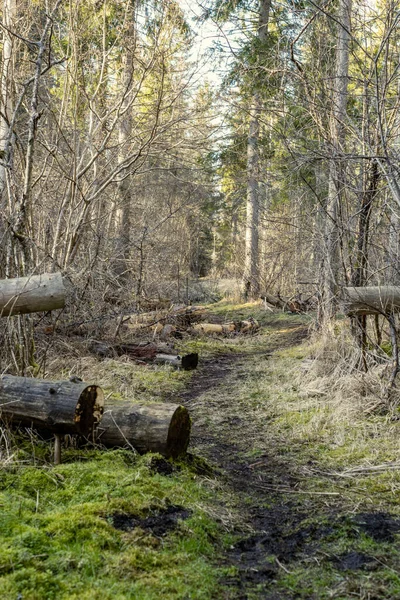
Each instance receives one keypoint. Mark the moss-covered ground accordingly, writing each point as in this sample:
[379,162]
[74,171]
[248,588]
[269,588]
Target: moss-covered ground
[286,493]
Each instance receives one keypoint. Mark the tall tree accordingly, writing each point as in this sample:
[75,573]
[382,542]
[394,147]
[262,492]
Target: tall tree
[336,184]
[251,276]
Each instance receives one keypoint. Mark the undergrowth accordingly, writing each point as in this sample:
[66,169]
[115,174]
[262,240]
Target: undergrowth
[58,539]
[294,417]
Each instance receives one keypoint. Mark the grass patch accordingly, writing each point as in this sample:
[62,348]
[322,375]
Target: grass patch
[58,540]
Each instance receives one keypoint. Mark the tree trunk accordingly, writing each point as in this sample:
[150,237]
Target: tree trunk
[37,293]
[336,165]
[163,428]
[123,207]
[251,276]
[371,300]
[6,108]
[393,275]
[59,406]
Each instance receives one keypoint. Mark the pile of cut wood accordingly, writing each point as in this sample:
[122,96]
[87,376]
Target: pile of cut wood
[77,408]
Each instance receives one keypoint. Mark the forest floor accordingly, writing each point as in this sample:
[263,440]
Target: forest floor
[285,493]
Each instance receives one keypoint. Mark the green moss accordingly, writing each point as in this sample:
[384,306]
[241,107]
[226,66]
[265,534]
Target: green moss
[58,542]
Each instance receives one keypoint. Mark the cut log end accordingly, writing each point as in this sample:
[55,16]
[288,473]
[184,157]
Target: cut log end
[59,406]
[179,433]
[190,361]
[89,409]
[163,428]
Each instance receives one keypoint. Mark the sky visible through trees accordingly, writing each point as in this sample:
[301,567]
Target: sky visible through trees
[147,143]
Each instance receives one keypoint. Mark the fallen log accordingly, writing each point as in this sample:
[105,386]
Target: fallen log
[37,293]
[163,428]
[140,351]
[58,406]
[294,304]
[273,300]
[187,362]
[177,316]
[248,326]
[145,353]
[358,301]
[210,328]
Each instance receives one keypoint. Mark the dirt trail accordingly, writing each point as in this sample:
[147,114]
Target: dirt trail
[283,527]
[263,530]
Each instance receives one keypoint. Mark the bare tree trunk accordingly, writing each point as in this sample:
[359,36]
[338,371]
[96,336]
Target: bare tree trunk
[394,248]
[336,167]
[123,208]
[6,107]
[251,276]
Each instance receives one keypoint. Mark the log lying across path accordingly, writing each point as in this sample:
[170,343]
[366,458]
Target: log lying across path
[145,353]
[59,406]
[359,301]
[37,293]
[163,428]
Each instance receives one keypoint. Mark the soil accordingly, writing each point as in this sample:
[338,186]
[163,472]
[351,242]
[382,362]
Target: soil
[275,528]
[162,466]
[159,522]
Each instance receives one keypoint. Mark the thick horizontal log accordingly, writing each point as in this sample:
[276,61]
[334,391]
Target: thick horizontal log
[37,293]
[106,350]
[359,301]
[58,406]
[163,428]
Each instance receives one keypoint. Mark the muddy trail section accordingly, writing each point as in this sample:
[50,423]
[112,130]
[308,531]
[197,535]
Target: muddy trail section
[278,527]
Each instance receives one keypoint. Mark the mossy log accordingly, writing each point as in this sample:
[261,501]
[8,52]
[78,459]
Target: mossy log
[359,301]
[37,293]
[163,428]
[58,406]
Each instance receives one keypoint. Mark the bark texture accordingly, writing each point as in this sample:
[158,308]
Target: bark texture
[58,406]
[336,165]
[359,301]
[36,293]
[251,276]
[163,428]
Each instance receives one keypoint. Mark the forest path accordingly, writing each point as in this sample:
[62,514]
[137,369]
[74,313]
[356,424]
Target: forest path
[298,529]
[233,438]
